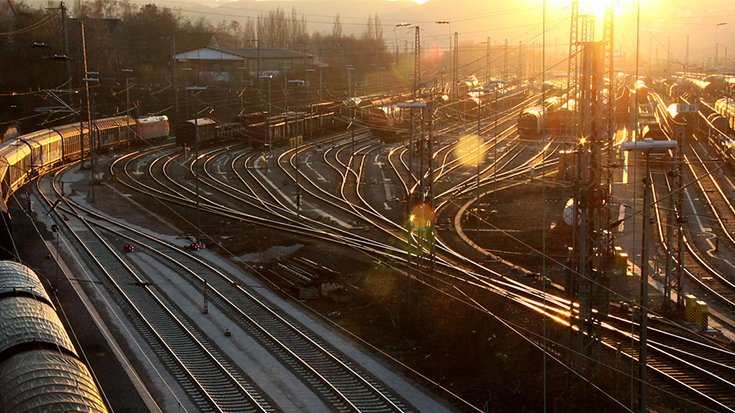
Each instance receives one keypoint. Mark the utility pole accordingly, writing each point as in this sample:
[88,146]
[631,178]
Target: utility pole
[352,109]
[297,138]
[194,90]
[487,62]
[65,38]
[173,76]
[409,203]
[573,68]
[646,147]
[520,59]
[86,88]
[588,282]
[127,90]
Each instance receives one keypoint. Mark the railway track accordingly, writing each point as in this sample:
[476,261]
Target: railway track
[208,376]
[336,379]
[705,371]
[709,276]
[351,168]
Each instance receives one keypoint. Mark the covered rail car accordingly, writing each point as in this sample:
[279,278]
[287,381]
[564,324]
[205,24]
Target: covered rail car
[190,132]
[40,369]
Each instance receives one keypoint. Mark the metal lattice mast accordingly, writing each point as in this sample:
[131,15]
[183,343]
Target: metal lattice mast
[520,59]
[417,62]
[608,73]
[572,72]
[588,279]
[674,232]
[587,32]
[608,110]
[505,62]
[455,66]
[487,63]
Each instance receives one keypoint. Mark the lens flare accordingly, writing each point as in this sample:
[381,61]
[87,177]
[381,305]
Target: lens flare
[467,150]
[422,216]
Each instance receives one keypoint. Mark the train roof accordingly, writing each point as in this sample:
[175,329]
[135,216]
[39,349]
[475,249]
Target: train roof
[39,134]
[15,277]
[198,122]
[70,130]
[47,381]
[118,121]
[40,137]
[14,150]
[25,320]
[151,119]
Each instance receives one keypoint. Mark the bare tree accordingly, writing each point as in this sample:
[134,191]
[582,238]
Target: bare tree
[337,28]
[273,28]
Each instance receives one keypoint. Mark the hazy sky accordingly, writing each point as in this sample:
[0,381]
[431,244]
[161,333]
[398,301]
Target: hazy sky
[662,22]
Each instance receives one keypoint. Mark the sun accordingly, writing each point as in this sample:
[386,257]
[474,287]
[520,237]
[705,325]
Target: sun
[594,7]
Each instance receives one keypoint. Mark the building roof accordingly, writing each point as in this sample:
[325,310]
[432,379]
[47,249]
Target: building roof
[239,53]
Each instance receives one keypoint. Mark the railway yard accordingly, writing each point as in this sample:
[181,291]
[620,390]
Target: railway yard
[210,286]
[520,244]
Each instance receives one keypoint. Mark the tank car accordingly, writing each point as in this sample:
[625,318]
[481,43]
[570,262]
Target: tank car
[531,121]
[641,92]
[718,122]
[726,108]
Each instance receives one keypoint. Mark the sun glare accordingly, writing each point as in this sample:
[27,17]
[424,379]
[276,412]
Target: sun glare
[466,150]
[594,7]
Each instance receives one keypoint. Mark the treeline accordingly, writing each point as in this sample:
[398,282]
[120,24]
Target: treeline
[122,35]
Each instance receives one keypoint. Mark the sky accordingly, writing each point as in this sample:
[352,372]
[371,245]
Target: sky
[664,24]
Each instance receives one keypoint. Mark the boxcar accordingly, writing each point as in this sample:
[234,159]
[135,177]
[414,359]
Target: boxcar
[15,164]
[46,149]
[71,136]
[152,128]
[186,132]
[111,132]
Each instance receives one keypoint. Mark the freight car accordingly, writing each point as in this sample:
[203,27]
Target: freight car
[726,108]
[152,128]
[551,117]
[201,131]
[26,156]
[641,92]
[40,370]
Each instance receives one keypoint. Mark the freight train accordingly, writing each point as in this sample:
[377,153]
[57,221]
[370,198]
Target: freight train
[554,116]
[26,156]
[40,368]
